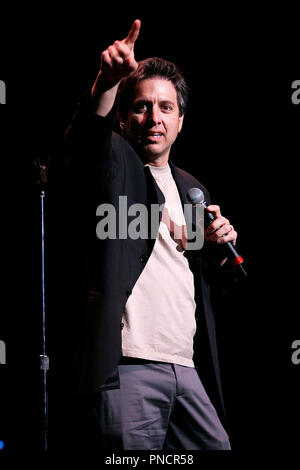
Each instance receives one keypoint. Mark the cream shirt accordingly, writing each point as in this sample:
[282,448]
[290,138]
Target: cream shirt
[159,318]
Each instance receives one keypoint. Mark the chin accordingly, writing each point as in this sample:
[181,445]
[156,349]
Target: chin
[152,152]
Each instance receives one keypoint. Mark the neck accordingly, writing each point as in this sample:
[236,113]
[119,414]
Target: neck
[161,160]
[158,164]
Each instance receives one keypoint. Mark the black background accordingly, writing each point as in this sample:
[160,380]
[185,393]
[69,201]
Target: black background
[240,139]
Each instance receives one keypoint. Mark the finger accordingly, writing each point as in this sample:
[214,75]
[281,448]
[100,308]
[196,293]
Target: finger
[114,55]
[122,49]
[220,232]
[105,58]
[224,233]
[214,209]
[230,237]
[216,224]
[133,34]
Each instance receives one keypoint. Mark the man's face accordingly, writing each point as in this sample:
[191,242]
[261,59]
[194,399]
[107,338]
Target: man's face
[153,121]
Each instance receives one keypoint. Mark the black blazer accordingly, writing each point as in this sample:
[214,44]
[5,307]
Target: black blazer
[100,165]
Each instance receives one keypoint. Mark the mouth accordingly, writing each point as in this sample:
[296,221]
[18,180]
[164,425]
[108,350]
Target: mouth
[154,136]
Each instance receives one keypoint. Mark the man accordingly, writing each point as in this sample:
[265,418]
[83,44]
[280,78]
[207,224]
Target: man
[136,353]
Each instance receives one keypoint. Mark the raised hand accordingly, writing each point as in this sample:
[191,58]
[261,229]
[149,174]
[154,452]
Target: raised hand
[118,60]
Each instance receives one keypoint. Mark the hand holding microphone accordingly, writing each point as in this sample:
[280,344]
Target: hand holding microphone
[218,228]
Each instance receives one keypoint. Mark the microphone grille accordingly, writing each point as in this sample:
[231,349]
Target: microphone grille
[195,196]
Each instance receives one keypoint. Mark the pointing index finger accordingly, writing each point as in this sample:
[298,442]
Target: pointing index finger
[133,33]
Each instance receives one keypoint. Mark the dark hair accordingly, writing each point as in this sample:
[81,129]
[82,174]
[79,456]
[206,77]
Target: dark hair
[149,68]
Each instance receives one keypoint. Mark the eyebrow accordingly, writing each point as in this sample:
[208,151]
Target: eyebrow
[145,100]
[167,102]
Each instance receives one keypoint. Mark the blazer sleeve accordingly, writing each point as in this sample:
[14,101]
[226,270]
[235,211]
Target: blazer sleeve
[88,155]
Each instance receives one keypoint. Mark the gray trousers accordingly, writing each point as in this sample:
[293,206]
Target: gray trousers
[158,406]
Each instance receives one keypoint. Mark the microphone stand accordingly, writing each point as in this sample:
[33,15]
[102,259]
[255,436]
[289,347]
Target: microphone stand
[44,359]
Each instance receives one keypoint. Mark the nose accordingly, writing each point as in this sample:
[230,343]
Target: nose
[154,115]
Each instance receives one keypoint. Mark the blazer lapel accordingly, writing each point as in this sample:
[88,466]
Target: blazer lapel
[155,197]
[183,187]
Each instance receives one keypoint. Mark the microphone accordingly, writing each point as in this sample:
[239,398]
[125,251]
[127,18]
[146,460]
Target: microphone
[196,197]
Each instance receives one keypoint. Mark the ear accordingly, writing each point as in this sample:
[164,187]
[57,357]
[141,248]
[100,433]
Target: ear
[122,123]
[180,123]
[122,126]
